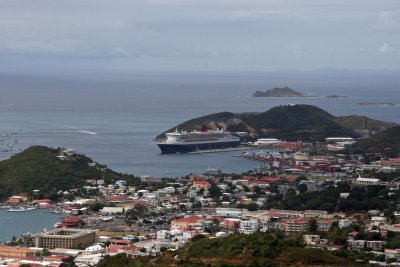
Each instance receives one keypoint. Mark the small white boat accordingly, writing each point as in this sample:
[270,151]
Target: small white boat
[20,209]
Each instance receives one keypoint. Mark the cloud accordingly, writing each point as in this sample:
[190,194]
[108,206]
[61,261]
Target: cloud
[388,20]
[385,48]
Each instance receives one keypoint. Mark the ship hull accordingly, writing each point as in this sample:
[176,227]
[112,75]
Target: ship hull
[187,148]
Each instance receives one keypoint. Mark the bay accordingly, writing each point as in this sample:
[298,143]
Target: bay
[17,223]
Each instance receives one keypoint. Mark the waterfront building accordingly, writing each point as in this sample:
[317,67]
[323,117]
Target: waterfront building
[16,200]
[65,238]
[15,252]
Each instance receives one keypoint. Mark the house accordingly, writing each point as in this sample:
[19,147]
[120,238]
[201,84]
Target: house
[186,222]
[356,244]
[392,254]
[345,223]
[376,245]
[311,240]
[378,220]
[324,225]
[200,185]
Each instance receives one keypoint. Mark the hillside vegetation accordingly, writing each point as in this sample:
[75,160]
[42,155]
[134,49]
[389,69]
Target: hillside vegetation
[39,168]
[386,142]
[259,249]
[357,123]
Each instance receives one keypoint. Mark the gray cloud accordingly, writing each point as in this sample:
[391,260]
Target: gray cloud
[192,34]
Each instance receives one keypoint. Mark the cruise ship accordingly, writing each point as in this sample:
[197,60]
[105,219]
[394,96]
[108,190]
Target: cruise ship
[196,141]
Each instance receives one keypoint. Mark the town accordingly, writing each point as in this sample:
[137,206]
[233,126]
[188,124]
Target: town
[342,204]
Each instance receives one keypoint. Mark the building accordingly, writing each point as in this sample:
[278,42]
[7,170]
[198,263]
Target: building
[376,245]
[16,200]
[297,225]
[15,252]
[367,181]
[228,212]
[345,223]
[392,254]
[163,234]
[65,238]
[186,222]
[312,240]
[356,244]
[248,227]
[324,225]
[232,223]
[200,185]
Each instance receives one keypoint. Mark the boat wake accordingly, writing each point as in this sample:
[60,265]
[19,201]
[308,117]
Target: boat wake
[87,132]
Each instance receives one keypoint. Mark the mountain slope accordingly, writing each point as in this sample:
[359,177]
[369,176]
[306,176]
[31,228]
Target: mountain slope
[289,122]
[386,142]
[360,122]
[39,168]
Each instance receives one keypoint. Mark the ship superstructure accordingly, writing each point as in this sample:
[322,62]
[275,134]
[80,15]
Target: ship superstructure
[185,142]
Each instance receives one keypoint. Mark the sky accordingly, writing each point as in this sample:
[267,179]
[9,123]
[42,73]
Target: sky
[198,35]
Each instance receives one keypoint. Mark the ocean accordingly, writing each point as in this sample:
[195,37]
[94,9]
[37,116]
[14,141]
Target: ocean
[15,223]
[113,118]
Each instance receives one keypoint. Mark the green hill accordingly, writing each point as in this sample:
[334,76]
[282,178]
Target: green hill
[38,167]
[288,122]
[386,142]
[235,250]
[362,122]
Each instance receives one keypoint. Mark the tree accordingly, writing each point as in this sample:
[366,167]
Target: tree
[214,191]
[68,262]
[312,225]
[302,188]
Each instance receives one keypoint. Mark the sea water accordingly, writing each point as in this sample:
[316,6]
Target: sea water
[114,118]
[17,223]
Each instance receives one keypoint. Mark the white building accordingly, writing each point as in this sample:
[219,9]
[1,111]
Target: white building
[163,234]
[344,223]
[248,227]
[367,181]
[228,212]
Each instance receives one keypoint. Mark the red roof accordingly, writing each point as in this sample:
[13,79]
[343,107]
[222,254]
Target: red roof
[119,241]
[190,219]
[325,221]
[115,248]
[259,182]
[45,200]
[271,179]
[203,183]
[115,198]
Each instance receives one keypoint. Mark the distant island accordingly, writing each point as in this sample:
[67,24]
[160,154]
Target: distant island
[385,104]
[278,92]
[337,96]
